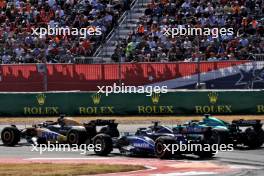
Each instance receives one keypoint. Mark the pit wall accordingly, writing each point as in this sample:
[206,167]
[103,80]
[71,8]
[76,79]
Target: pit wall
[171,103]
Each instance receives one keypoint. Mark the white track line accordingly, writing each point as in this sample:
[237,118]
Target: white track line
[186,173]
[99,158]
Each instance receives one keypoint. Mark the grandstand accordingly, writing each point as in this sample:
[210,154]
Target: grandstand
[132,31]
[18,17]
[147,43]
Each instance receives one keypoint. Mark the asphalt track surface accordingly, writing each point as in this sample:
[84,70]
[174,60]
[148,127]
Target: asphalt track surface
[240,162]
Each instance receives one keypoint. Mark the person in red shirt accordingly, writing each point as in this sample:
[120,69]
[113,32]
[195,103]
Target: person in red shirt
[2,4]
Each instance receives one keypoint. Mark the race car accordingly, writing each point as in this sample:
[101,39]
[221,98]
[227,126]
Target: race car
[239,132]
[64,130]
[152,141]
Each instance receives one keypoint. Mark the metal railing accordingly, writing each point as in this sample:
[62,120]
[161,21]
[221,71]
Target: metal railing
[109,36]
[88,60]
[256,57]
[115,31]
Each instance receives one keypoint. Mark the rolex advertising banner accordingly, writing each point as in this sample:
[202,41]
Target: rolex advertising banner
[171,103]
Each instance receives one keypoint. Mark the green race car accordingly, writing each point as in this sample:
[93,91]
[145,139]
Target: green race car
[239,132]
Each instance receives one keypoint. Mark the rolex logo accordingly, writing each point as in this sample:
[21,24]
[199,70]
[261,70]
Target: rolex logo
[213,96]
[41,99]
[155,98]
[96,98]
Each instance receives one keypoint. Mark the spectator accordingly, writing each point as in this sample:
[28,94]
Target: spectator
[241,15]
[6,58]
[17,18]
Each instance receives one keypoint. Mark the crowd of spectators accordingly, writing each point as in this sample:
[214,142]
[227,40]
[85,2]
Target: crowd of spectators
[148,43]
[18,17]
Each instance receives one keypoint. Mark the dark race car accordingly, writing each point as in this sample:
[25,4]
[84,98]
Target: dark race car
[64,130]
[239,132]
[152,141]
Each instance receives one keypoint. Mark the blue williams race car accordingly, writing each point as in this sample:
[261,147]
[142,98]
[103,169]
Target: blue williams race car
[156,140]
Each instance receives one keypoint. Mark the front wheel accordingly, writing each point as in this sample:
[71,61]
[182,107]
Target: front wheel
[10,136]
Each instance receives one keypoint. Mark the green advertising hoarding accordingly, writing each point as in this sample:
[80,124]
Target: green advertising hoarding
[171,103]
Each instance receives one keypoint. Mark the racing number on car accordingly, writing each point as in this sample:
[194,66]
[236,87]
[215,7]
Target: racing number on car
[50,136]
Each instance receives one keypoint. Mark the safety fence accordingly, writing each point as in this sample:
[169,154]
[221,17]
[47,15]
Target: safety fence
[171,103]
[86,77]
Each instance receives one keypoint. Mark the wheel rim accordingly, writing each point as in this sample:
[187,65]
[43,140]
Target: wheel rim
[72,138]
[99,141]
[7,136]
[159,148]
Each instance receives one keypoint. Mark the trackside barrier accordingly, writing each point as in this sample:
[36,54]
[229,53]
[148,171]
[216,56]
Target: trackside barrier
[171,103]
[86,77]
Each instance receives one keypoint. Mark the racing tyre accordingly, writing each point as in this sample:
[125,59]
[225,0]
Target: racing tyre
[105,142]
[218,138]
[207,143]
[76,137]
[254,139]
[10,136]
[160,149]
[207,154]
[221,136]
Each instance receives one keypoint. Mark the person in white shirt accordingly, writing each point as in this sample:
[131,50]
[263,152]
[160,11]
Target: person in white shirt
[19,51]
[6,59]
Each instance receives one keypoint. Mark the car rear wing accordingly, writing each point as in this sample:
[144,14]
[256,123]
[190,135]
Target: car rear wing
[246,123]
[188,130]
[100,122]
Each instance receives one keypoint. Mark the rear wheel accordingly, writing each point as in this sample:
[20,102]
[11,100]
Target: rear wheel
[10,136]
[207,146]
[103,144]
[254,139]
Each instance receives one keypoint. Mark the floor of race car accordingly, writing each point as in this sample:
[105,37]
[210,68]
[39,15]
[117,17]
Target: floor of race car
[238,162]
